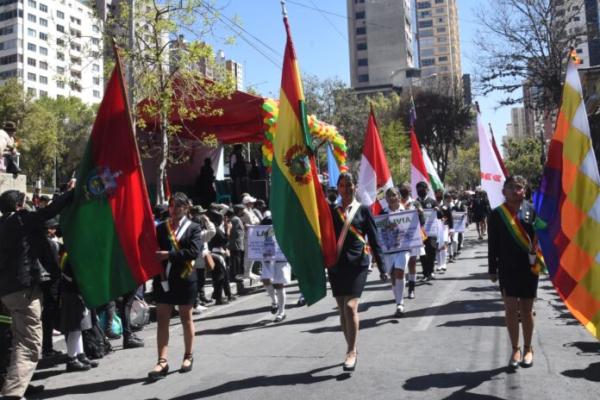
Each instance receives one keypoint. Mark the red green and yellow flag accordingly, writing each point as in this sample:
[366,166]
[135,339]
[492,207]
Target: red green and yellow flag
[301,216]
[108,228]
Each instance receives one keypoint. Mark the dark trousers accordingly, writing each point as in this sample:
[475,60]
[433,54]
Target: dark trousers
[201,282]
[124,305]
[220,278]
[428,260]
[460,241]
[50,314]
[236,260]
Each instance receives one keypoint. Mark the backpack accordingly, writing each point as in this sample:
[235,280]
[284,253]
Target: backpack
[95,343]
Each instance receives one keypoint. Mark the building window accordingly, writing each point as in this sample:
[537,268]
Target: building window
[97,94]
[75,86]
[60,28]
[95,28]
[60,42]
[43,36]
[363,78]
[360,15]
[43,93]
[439,1]
[60,84]
[427,62]
[363,62]
[31,76]
[95,68]
[361,46]
[13,58]
[359,1]
[43,65]
[96,81]
[9,44]
[60,14]
[361,30]
[424,4]
[425,14]
[7,30]
[60,70]
[76,21]
[31,47]
[43,51]
[31,91]
[43,80]
[426,52]
[75,46]
[443,59]
[426,24]
[31,32]
[426,33]
[75,32]
[96,41]
[43,22]
[441,30]
[32,3]
[31,61]
[31,18]
[43,8]
[60,56]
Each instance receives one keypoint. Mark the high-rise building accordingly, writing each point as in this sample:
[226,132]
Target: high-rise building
[53,46]
[381,43]
[232,67]
[438,41]
[520,126]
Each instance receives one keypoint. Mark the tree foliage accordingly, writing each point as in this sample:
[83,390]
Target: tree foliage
[523,158]
[442,121]
[464,168]
[526,42]
[166,74]
[38,142]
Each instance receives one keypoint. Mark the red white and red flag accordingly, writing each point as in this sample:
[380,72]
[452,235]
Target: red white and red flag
[492,175]
[418,170]
[374,176]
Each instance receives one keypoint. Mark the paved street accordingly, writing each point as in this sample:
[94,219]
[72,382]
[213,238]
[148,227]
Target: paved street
[451,344]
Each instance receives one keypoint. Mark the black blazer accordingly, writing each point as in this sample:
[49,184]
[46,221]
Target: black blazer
[190,247]
[353,253]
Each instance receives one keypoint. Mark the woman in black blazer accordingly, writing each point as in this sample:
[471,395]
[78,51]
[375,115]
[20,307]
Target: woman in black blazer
[348,276]
[180,244]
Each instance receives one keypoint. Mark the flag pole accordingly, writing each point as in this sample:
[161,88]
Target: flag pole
[283,10]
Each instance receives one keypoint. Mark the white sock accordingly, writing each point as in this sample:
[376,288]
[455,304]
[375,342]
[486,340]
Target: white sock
[399,291]
[271,293]
[442,256]
[280,300]
[74,344]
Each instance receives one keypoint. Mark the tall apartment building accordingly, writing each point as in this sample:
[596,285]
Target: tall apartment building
[234,68]
[381,43]
[521,126]
[438,40]
[53,46]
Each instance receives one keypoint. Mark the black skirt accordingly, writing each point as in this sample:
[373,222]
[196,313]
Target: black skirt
[181,292]
[348,280]
[518,282]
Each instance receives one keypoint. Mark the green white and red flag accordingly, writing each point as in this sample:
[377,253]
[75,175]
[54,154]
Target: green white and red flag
[108,229]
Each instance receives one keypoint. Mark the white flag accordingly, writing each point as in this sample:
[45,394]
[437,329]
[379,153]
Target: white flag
[492,177]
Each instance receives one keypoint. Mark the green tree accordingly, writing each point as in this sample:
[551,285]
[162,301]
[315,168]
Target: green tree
[167,77]
[463,170]
[38,142]
[523,158]
[13,101]
[74,120]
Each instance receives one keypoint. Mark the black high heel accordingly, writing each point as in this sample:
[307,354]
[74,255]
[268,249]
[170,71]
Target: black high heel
[187,368]
[350,366]
[160,374]
[512,363]
[525,363]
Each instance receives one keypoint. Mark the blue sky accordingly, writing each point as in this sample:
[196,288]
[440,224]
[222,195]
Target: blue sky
[321,41]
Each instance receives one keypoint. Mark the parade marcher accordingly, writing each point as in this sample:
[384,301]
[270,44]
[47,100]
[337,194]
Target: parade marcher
[180,243]
[444,237]
[22,237]
[236,233]
[74,318]
[396,262]
[459,205]
[205,183]
[426,203]
[275,275]
[480,208]
[354,227]
[50,282]
[219,253]
[510,262]
[198,215]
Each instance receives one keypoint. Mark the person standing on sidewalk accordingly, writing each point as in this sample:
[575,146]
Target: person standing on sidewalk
[424,202]
[511,243]
[22,238]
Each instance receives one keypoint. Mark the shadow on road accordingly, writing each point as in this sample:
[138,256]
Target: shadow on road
[468,381]
[459,307]
[591,373]
[96,387]
[484,321]
[302,378]
[585,348]
[477,289]
[475,276]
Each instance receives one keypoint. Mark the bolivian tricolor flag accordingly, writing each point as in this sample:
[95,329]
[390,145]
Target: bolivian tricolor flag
[301,216]
[108,228]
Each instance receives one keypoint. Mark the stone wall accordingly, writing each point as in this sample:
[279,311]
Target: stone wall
[7,182]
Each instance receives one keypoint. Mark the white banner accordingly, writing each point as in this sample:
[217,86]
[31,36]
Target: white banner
[459,219]
[399,231]
[430,215]
[261,244]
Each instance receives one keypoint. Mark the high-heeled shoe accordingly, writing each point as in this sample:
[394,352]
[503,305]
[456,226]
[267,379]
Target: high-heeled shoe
[187,368]
[512,363]
[155,375]
[524,362]
[350,363]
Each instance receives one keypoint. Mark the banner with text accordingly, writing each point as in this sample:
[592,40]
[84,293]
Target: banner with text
[261,244]
[431,228]
[460,221]
[399,231]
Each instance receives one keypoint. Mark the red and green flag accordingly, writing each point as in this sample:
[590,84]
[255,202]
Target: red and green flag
[301,216]
[108,229]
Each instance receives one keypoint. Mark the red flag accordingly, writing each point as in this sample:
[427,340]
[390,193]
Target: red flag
[497,153]
[374,176]
[418,170]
